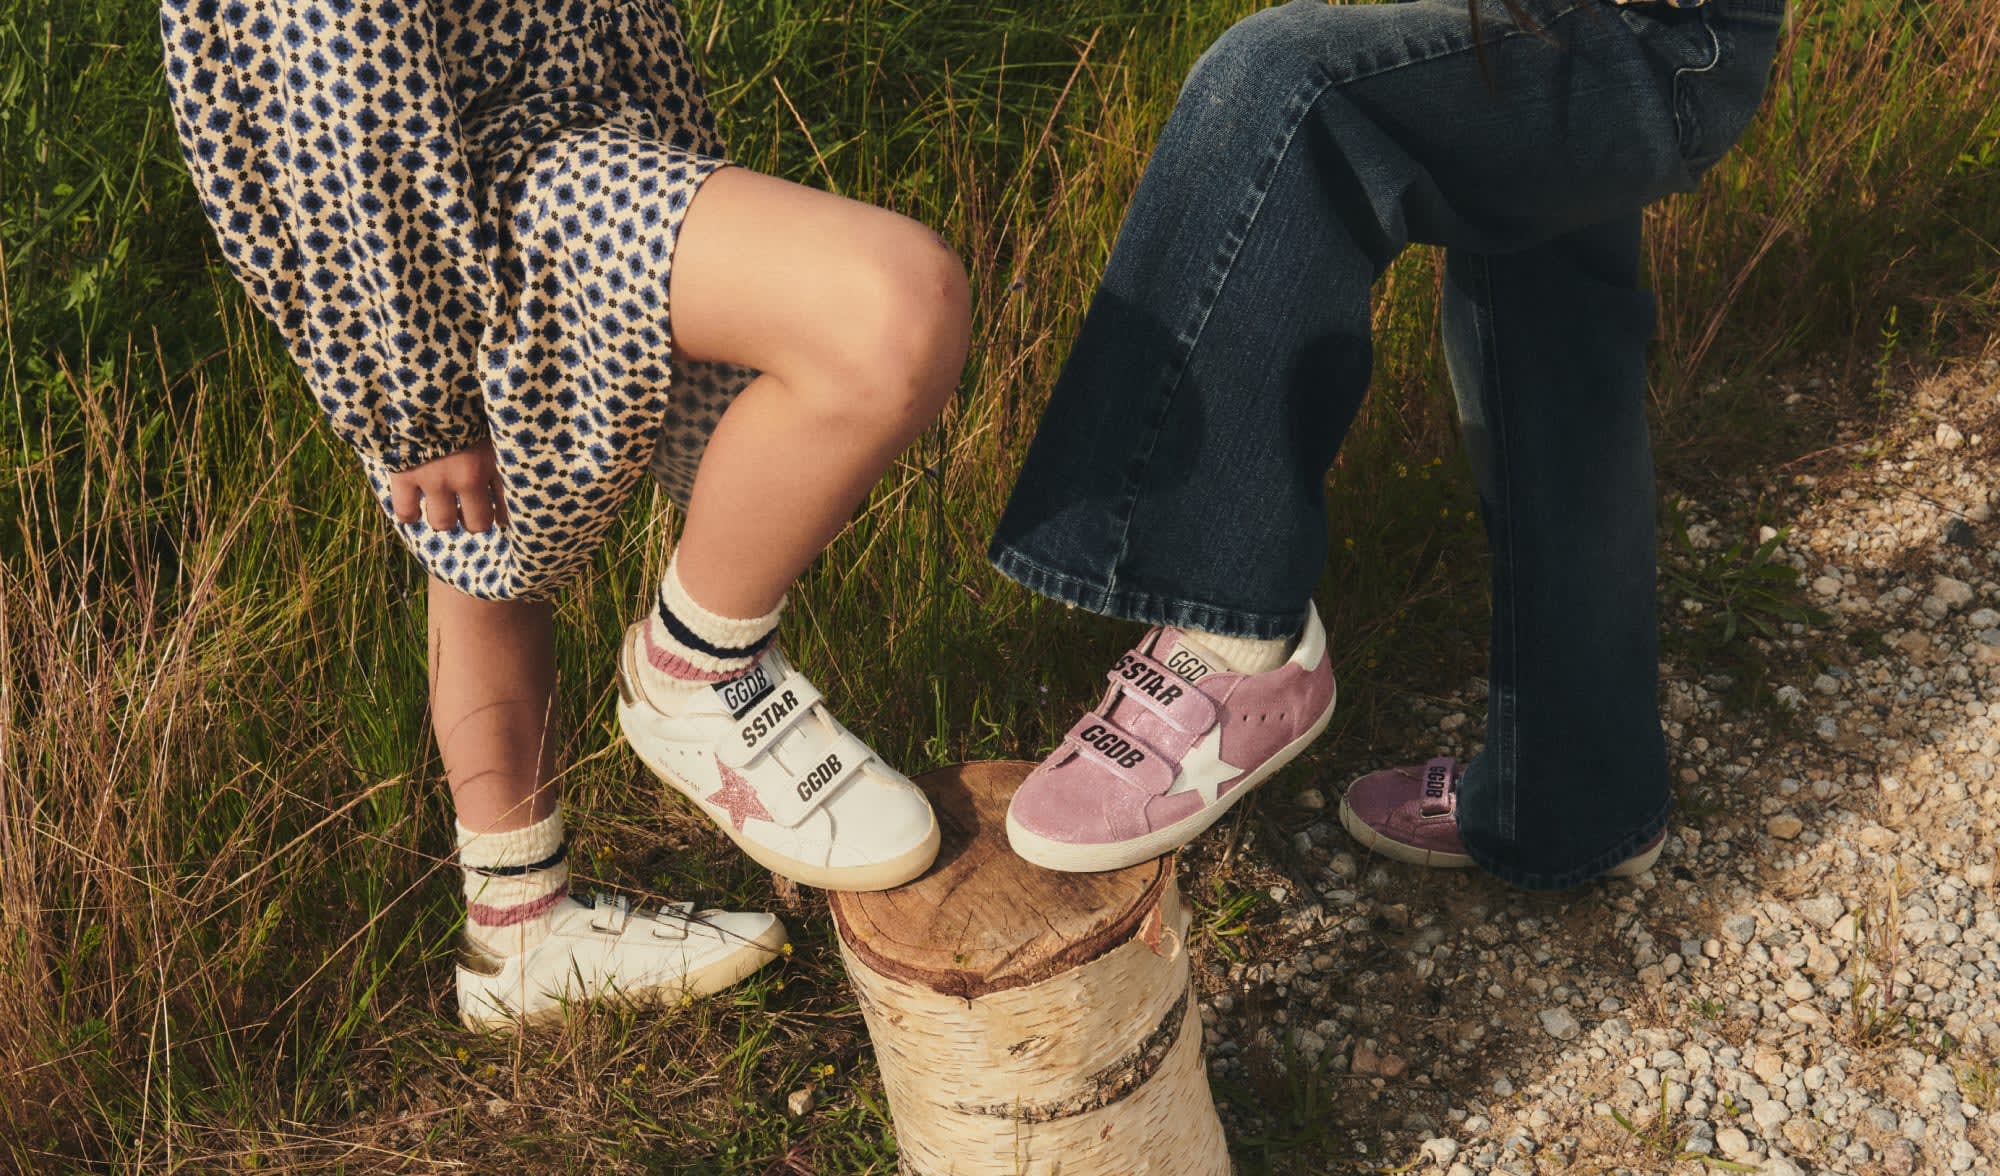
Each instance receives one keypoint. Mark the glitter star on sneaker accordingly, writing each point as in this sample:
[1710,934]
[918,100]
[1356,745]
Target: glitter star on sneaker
[770,765]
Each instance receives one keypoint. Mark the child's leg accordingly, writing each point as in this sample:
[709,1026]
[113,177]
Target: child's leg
[1179,471]
[492,671]
[1573,780]
[1178,474]
[529,945]
[857,321]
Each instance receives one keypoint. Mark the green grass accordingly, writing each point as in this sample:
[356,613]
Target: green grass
[228,916]
[1663,1139]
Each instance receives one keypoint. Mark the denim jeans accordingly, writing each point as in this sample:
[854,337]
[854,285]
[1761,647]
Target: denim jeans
[1179,471]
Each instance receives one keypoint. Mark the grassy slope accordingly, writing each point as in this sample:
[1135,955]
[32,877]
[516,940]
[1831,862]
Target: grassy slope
[227,926]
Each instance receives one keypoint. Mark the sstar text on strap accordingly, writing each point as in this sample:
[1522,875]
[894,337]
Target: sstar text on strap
[1157,687]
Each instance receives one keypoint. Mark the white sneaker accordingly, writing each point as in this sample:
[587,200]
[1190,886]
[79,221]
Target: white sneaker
[794,788]
[602,948]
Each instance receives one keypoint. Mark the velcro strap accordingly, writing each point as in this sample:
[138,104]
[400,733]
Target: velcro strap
[1147,681]
[815,772]
[1440,787]
[763,724]
[1122,753]
[672,921]
[609,913]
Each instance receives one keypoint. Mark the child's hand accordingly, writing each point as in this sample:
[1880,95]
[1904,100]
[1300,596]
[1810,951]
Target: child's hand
[459,487]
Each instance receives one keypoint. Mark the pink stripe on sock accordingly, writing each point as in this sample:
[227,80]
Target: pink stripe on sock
[492,916]
[675,666]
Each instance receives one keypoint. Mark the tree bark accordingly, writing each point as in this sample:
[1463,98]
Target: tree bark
[1027,1022]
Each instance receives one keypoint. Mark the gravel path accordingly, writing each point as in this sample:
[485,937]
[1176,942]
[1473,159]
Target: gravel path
[1810,979]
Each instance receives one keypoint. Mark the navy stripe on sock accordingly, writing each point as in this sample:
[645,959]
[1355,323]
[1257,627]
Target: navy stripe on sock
[548,863]
[678,630]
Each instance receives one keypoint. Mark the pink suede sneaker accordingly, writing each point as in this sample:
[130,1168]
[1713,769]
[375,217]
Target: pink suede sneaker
[1411,814]
[1174,744]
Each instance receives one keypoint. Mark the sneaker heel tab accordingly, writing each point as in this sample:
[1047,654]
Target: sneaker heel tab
[623,672]
[478,960]
[1312,640]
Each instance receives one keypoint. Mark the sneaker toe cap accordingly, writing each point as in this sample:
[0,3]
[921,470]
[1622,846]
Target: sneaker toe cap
[1068,803]
[1376,798]
[879,817]
[734,930]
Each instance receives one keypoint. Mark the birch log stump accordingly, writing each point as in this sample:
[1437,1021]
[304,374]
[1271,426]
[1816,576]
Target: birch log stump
[1030,1023]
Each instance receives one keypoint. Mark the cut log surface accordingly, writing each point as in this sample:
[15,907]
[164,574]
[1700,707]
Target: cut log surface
[982,919]
[1028,1022]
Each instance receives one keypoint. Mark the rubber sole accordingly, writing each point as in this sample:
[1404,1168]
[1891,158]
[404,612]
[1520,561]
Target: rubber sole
[707,980]
[1073,858]
[1638,863]
[884,875]
[1381,843]
[1389,847]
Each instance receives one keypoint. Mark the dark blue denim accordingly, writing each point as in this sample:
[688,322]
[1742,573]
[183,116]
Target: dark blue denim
[1178,474]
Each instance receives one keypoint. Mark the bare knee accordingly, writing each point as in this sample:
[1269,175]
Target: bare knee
[899,344]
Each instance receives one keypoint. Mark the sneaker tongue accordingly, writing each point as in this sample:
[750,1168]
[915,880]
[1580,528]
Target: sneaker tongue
[1183,657]
[1440,787]
[741,694]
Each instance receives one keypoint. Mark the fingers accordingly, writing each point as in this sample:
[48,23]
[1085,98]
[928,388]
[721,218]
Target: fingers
[475,508]
[405,498]
[482,506]
[461,489]
[440,509]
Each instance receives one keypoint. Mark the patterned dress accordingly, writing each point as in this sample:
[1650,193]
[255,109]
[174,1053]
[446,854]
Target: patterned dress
[461,215]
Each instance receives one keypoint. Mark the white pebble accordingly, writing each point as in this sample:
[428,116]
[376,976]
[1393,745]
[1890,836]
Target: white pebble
[1955,593]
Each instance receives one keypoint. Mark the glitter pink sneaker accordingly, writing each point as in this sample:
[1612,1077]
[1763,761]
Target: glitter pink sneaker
[1411,814]
[1174,744]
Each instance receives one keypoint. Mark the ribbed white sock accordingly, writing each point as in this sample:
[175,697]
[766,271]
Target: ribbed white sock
[513,881]
[689,645]
[1245,655]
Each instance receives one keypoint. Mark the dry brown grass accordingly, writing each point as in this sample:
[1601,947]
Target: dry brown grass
[227,925]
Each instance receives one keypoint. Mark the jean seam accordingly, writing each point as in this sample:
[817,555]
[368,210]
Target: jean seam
[1505,35]
[1687,116]
[1506,751]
